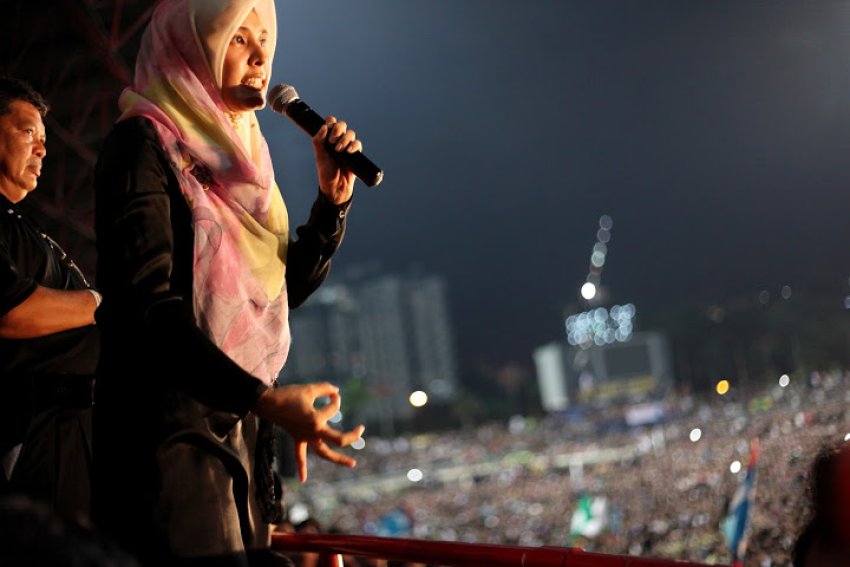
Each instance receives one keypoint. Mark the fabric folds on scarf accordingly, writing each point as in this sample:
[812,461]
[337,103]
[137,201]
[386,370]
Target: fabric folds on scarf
[240,221]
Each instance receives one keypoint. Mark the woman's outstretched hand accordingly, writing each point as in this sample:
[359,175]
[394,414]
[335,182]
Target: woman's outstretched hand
[292,407]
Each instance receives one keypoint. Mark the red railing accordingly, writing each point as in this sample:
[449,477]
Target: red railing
[452,554]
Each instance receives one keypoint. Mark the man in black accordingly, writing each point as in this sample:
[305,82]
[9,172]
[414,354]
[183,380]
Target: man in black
[48,341]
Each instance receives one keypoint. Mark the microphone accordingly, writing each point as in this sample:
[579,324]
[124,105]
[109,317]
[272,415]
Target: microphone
[284,100]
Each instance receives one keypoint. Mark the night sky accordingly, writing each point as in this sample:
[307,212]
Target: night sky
[714,133]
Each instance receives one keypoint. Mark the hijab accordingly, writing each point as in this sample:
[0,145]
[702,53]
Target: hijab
[239,218]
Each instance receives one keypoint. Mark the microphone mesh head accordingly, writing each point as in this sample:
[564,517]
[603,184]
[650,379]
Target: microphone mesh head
[281,95]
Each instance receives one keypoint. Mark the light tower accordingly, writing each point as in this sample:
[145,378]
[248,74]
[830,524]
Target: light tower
[591,290]
[598,325]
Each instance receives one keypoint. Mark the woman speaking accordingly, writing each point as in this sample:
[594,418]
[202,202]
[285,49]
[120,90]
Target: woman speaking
[198,272]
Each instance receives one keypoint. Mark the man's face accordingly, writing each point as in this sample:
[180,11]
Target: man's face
[22,148]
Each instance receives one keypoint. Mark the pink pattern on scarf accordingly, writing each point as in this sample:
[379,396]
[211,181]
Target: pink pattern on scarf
[174,89]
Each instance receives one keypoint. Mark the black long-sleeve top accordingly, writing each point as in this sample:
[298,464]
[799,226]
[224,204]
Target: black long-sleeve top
[145,254]
[29,258]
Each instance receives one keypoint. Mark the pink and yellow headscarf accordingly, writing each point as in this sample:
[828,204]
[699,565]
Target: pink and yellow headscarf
[239,218]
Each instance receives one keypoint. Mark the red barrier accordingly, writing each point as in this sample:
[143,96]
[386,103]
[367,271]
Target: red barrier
[453,554]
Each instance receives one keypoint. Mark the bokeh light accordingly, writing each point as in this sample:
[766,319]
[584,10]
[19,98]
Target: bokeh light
[358,444]
[298,513]
[414,475]
[588,291]
[600,326]
[418,399]
[696,434]
[723,387]
[735,467]
[597,259]
[784,380]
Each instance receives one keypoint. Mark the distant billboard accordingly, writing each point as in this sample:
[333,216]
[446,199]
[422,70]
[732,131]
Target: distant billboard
[635,369]
[628,359]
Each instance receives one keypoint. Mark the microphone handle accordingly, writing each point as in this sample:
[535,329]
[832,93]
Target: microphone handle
[310,121]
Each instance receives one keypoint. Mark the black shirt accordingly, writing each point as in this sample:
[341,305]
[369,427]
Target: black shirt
[28,258]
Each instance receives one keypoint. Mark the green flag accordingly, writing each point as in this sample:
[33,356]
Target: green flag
[590,516]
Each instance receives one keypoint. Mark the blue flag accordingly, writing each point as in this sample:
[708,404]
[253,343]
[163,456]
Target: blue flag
[735,524]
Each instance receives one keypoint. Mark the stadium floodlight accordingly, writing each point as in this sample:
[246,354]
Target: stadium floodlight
[600,326]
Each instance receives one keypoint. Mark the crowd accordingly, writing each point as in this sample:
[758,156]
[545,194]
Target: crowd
[666,493]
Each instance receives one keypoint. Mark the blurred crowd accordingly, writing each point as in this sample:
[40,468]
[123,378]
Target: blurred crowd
[666,486]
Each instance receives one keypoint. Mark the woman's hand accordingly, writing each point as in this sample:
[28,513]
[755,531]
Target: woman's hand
[335,180]
[291,407]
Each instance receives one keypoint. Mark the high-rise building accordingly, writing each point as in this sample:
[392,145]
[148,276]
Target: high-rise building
[392,334]
[387,346]
[325,338]
[434,340]
[551,367]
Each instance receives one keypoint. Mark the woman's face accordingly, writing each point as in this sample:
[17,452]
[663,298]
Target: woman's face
[245,75]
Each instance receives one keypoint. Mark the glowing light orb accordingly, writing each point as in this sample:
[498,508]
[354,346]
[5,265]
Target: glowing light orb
[418,399]
[588,291]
